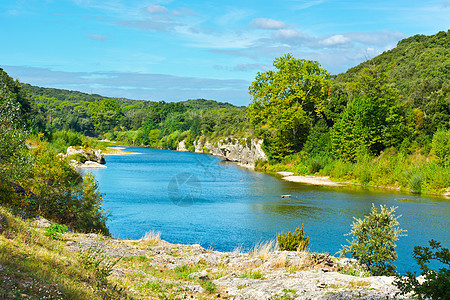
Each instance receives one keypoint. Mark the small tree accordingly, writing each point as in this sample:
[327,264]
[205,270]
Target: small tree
[293,241]
[374,239]
[437,283]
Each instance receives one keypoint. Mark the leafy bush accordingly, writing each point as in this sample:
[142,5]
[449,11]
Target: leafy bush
[374,239]
[316,164]
[441,148]
[55,229]
[293,241]
[437,283]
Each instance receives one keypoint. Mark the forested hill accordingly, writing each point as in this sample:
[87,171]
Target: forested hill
[76,97]
[419,68]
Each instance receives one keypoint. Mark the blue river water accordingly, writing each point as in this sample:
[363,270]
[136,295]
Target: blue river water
[199,199]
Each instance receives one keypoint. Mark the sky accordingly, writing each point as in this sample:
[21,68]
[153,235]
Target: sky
[177,50]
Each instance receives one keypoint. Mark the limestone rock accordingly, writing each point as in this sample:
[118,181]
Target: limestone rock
[41,222]
[87,158]
[243,151]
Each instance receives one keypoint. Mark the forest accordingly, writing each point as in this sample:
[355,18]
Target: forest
[383,123]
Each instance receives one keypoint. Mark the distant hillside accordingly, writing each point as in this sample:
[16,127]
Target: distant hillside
[419,67]
[60,94]
[204,104]
[76,96]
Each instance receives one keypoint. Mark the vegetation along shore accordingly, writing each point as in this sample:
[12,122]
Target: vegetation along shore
[383,123]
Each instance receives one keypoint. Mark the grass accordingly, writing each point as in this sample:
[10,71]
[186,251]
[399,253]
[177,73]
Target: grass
[263,249]
[37,266]
[415,172]
[151,238]
[253,274]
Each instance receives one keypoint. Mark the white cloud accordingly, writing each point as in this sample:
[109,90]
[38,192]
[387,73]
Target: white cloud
[289,34]
[157,9]
[337,39]
[268,23]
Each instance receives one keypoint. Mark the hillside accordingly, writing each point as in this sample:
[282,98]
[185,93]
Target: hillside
[419,67]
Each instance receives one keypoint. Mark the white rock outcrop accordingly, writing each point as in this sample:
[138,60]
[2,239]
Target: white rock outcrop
[90,158]
[243,151]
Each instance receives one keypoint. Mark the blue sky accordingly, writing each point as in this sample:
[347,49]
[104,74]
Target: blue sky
[178,50]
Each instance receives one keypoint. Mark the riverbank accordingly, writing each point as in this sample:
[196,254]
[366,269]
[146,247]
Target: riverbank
[117,150]
[414,173]
[91,266]
[314,180]
[190,271]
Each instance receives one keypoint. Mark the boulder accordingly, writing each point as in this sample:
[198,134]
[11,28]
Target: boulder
[86,158]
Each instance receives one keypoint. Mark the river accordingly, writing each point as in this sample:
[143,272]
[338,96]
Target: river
[199,199]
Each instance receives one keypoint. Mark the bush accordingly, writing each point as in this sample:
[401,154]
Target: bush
[55,229]
[437,283]
[96,259]
[374,239]
[441,148]
[293,241]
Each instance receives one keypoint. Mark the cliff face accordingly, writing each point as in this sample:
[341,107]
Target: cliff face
[243,151]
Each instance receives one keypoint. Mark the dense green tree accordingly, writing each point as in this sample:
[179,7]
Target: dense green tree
[105,114]
[13,151]
[372,120]
[288,101]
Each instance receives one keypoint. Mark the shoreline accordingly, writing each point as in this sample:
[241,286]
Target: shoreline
[117,150]
[264,273]
[310,179]
[287,176]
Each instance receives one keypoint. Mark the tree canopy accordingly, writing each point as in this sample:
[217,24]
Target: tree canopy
[288,101]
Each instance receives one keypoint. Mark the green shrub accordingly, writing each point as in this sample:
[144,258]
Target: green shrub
[95,259]
[441,148]
[55,229]
[293,241]
[316,164]
[374,239]
[301,169]
[415,183]
[208,286]
[437,283]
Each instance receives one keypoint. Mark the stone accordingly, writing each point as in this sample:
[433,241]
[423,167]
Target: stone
[232,149]
[41,222]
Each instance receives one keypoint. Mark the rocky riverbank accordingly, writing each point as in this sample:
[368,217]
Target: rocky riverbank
[85,158]
[154,268]
[243,151]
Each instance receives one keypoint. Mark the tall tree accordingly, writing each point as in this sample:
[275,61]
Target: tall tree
[288,101]
[373,119]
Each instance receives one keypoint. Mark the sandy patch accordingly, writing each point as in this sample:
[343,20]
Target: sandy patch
[314,180]
[117,151]
[285,173]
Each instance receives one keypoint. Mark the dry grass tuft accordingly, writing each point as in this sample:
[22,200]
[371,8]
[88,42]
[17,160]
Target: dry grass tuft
[281,261]
[263,249]
[151,237]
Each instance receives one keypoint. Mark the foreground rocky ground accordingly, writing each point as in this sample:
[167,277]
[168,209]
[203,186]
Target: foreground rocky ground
[154,269]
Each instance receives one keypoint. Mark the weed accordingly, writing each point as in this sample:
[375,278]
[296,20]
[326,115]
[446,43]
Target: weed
[55,229]
[94,258]
[257,274]
[208,286]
